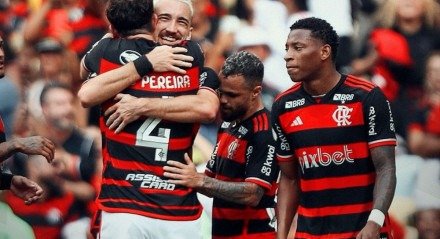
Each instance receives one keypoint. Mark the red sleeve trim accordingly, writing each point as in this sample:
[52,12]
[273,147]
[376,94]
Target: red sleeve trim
[382,142]
[284,158]
[260,182]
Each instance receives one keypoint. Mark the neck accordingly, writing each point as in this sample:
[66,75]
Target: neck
[256,106]
[323,83]
[139,33]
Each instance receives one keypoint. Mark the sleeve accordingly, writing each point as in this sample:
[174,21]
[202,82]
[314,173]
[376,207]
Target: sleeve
[211,166]
[379,118]
[2,131]
[209,79]
[261,167]
[93,56]
[195,50]
[88,155]
[282,146]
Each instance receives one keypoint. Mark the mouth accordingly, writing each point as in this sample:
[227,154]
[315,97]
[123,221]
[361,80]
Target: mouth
[170,40]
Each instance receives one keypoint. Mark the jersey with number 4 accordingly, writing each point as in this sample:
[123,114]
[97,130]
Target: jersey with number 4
[133,180]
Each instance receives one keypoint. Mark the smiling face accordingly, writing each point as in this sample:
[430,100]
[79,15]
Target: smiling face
[173,22]
[304,55]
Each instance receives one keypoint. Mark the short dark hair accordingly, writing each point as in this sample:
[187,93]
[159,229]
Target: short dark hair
[246,64]
[320,29]
[129,15]
[52,85]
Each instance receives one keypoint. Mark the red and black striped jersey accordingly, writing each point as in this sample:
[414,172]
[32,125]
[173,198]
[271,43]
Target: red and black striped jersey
[245,152]
[2,131]
[331,139]
[133,179]
[46,217]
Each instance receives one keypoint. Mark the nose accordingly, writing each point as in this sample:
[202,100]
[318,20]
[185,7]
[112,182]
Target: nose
[172,27]
[223,99]
[287,56]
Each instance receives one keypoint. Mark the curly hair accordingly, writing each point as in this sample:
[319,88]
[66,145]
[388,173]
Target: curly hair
[245,64]
[320,29]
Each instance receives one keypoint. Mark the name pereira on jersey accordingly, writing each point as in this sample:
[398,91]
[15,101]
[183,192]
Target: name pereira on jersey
[150,181]
[166,82]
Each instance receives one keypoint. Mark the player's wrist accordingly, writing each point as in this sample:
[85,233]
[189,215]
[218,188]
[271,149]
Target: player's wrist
[377,217]
[143,65]
[6,180]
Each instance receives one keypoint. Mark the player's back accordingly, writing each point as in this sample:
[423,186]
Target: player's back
[133,159]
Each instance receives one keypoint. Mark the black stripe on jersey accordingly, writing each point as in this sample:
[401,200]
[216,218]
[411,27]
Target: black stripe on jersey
[227,227]
[220,203]
[41,221]
[339,136]
[113,192]
[334,224]
[334,197]
[230,169]
[358,167]
[160,211]
[259,226]
[131,153]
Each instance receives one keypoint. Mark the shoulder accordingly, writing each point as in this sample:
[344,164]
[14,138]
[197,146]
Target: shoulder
[359,83]
[260,122]
[295,89]
[195,50]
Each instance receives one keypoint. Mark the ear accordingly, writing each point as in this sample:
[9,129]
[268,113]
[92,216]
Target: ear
[326,51]
[113,31]
[256,91]
[154,20]
[190,33]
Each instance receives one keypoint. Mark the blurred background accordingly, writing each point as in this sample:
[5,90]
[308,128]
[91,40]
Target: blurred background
[393,43]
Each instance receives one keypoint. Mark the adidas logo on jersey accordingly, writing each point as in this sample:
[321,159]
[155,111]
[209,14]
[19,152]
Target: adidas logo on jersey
[297,121]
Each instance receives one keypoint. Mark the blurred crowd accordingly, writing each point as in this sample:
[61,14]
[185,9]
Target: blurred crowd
[394,43]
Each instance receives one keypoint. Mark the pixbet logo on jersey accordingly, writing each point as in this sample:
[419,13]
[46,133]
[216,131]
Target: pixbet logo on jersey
[150,181]
[318,158]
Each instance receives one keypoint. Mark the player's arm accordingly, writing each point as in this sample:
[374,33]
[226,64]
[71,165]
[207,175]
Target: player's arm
[381,141]
[246,193]
[30,145]
[384,164]
[287,197]
[106,85]
[201,107]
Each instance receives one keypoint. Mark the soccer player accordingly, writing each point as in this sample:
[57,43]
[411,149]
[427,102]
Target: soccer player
[241,174]
[21,186]
[335,144]
[133,189]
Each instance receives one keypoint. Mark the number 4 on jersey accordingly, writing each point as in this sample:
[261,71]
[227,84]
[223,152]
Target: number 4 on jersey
[159,142]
